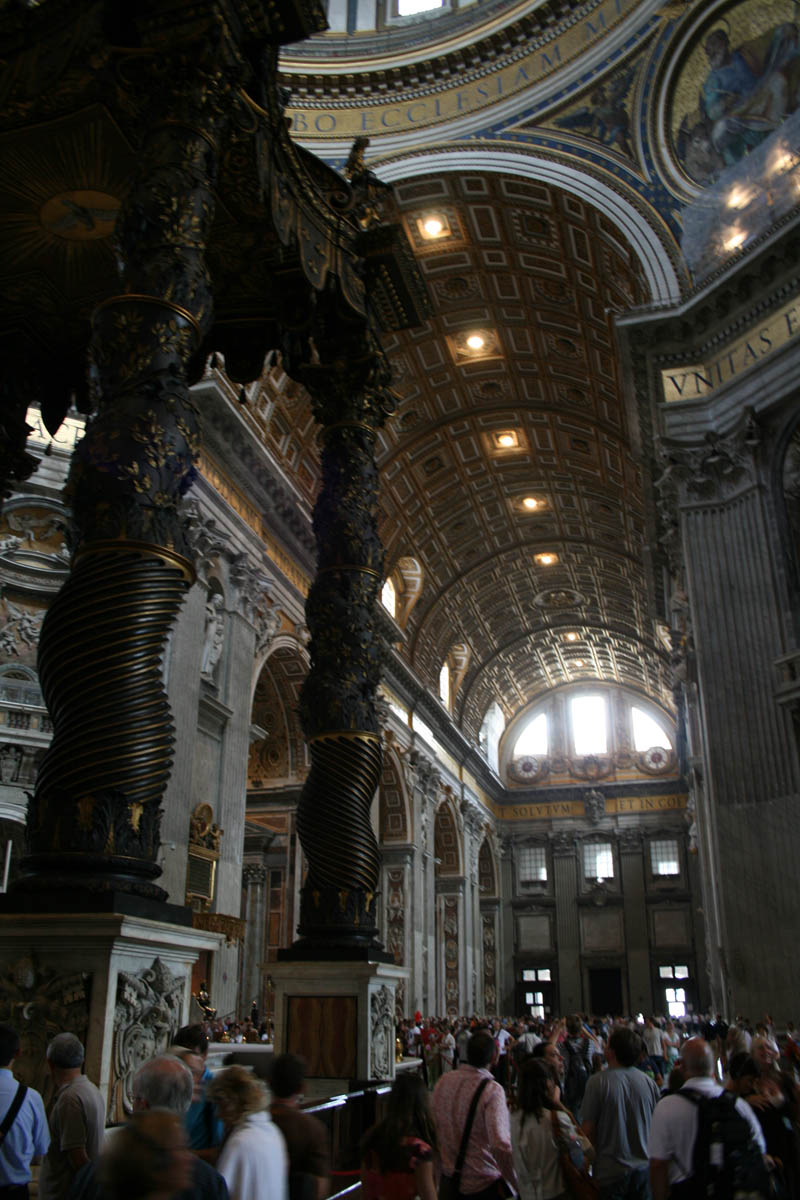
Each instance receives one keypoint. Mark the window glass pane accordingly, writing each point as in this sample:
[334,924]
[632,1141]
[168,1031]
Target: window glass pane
[544,975]
[529,997]
[533,739]
[444,685]
[665,972]
[529,977]
[407,8]
[490,733]
[664,857]
[681,972]
[598,860]
[532,864]
[677,1008]
[680,994]
[670,994]
[389,597]
[647,732]
[589,734]
[538,997]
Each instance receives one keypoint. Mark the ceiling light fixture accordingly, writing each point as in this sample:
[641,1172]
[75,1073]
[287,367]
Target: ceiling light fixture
[782,160]
[433,226]
[571,637]
[739,197]
[475,341]
[578,662]
[734,239]
[546,560]
[506,440]
[530,502]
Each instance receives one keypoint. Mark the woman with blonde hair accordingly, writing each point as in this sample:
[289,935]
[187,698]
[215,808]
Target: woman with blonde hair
[253,1159]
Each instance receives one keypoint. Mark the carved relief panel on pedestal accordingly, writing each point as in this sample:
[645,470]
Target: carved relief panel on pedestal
[146,1018]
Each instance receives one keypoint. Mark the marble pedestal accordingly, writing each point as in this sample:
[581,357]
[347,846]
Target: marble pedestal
[122,983]
[340,1016]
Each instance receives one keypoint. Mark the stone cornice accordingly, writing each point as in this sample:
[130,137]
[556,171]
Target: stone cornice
[236,447]
[402,680]
[426,57]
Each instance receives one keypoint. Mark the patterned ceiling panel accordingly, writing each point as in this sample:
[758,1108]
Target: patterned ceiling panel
[536,412]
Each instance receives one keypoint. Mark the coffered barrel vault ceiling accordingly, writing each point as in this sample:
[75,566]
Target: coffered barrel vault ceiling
[541,247]
[538,274]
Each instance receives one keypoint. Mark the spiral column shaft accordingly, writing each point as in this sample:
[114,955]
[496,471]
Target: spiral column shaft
[96,807]
[94,820]
[337,703]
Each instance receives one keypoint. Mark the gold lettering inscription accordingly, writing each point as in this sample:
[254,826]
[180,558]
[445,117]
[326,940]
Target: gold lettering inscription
[570,808]
[309,123]
[694,382]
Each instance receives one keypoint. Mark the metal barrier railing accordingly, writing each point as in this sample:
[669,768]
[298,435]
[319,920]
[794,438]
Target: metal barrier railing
[347,1117]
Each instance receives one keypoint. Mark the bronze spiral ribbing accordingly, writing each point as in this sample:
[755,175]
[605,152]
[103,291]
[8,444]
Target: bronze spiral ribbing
[101,782]
[333,816]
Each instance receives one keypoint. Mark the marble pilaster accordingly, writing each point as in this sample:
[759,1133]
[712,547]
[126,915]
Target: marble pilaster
[567,927]
[636,933]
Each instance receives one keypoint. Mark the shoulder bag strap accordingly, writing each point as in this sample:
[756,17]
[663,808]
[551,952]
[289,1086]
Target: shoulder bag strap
[558,1132]
[13,1109]
[462,1152]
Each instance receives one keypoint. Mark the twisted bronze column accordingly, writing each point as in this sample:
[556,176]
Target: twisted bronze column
[337,704]
[94,819]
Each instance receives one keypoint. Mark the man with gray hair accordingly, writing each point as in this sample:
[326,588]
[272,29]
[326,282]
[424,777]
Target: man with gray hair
[164,1084]
[76,1116]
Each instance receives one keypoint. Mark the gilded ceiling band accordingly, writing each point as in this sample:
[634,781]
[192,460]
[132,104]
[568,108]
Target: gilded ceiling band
[141,298]
[190,128]
[147,549]
[350,567]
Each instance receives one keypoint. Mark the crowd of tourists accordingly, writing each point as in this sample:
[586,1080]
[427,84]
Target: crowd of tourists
[577,1107]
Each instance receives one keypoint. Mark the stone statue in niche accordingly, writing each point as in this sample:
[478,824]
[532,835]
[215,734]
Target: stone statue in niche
[10,762]
[268,622]
[146,1018]
[214,637]
[382,1028]
[594,805]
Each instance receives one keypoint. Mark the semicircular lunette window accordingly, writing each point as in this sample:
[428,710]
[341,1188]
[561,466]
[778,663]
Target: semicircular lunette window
[590,736]
[647,733]
[533,739]
[589,725]
[409,8]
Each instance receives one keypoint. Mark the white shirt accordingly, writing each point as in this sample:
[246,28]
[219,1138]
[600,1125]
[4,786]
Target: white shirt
[674,1127]
[254,1162]
[502,1039]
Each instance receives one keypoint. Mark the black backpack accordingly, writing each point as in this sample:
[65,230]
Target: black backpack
[577,1071]
[727,1161]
